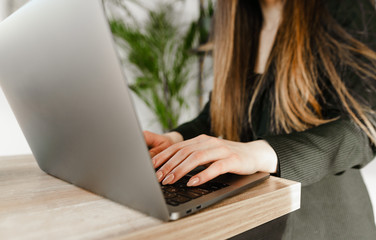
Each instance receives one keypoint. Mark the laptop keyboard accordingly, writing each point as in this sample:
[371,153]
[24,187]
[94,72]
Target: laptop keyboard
[178,193]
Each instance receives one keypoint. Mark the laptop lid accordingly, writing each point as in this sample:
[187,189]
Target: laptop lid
[61,75]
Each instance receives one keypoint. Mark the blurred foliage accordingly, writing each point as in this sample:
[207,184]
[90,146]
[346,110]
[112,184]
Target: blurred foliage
[205,20]
[160,50]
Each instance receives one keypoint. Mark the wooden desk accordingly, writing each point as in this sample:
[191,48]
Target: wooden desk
[34,205]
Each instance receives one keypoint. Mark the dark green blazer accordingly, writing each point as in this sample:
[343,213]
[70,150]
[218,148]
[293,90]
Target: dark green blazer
[326,159]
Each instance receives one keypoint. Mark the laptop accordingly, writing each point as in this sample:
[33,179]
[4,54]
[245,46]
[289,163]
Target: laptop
[60,72]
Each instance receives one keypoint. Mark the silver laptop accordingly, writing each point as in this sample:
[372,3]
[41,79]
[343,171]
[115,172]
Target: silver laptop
[61,75]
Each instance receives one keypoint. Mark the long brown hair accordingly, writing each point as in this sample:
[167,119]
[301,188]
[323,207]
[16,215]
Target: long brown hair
[309,46]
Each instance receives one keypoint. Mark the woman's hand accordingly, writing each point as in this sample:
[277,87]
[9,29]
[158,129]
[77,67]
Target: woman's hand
[223,156]
[157,143]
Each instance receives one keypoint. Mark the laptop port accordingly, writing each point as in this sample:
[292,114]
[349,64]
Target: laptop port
[189,211]
[198,207]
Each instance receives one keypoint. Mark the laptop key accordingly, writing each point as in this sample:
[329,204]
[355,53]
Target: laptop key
[180,199]
[171,189]
[168,195]
[220,185]
[191,194]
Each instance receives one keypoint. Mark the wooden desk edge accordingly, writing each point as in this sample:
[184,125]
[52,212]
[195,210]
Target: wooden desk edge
[236,215]
[267,201]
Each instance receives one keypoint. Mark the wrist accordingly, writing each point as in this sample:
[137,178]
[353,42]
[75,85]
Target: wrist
[267,160]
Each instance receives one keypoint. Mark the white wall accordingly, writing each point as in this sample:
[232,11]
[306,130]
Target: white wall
[12,141]
[3,9]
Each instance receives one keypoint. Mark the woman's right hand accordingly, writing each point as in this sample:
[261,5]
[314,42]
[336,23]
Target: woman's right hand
[157,142]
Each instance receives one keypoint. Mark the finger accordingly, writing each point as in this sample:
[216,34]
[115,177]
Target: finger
[214,170]
[168,153]
[195,159]
[151,139]
[154,151]
[169,165]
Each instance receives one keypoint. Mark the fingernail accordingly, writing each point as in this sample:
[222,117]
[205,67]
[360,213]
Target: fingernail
[159,175]
[153,161]
[168,179]
[193,182]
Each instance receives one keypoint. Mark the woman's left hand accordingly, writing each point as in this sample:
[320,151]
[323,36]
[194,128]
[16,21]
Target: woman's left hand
[223,156]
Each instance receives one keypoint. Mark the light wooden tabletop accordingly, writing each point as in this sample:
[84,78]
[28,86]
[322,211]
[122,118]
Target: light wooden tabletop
[34,205]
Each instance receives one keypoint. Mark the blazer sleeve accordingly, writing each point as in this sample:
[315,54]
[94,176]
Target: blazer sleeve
[199,125]
[331,148]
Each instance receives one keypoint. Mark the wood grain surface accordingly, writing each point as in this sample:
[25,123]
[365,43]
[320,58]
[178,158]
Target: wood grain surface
[34,205]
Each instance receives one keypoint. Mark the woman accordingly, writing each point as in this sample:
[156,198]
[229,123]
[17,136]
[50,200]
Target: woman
[293,96]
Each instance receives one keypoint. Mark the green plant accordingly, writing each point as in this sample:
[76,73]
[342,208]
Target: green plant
[161,52]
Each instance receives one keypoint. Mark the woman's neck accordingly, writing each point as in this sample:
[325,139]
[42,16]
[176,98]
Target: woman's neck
[272,13]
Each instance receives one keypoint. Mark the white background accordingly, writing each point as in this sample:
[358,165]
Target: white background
[12,141]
